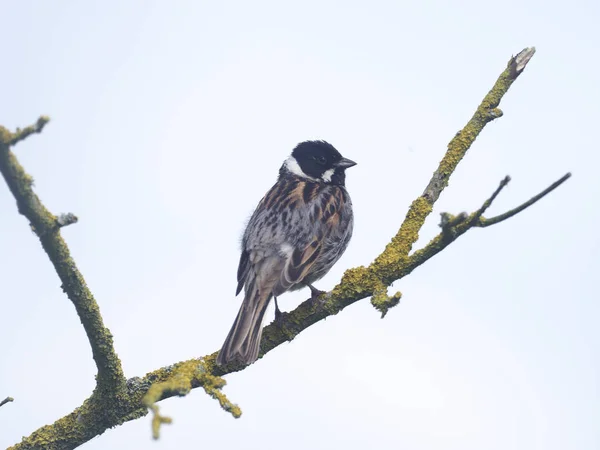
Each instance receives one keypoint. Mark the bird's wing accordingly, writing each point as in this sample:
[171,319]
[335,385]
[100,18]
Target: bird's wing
[264,234]
[243,268]
[296,215]
[324,219]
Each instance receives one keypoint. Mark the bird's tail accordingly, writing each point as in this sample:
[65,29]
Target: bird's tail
[243,341]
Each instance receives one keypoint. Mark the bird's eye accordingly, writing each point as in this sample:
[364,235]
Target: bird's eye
[320,159]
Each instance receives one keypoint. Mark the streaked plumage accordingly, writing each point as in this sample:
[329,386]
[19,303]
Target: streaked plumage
[298,231]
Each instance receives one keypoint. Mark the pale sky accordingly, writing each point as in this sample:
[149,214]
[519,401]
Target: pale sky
[170,121]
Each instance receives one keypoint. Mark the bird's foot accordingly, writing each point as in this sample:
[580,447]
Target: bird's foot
[314,292]
[278,313]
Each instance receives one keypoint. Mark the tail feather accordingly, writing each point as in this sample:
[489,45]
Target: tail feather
[243,341]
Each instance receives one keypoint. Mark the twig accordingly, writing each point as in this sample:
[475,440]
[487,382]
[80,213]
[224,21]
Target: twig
[180,380]
[6,400]
[67,219]
[23,134]
[488,202]
[486,222]
[441,241]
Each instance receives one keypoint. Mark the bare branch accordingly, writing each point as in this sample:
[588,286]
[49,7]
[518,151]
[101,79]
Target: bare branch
[486,222]
[519,62]
[64,220]
[459,228]
[489,201]
[6,400]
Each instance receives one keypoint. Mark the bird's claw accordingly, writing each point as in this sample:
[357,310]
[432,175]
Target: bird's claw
[314,292]
[278,313]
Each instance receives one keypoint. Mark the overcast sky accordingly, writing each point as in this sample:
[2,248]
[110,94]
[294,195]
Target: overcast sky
[170,120]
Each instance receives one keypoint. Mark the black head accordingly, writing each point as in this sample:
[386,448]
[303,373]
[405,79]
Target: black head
[318,161]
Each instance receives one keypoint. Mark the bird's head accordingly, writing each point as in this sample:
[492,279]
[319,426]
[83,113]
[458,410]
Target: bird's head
[317,161]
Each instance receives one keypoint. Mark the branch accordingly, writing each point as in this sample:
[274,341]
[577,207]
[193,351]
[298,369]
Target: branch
[394,263]
[384,269]
[179,381]
[488,202]
[47,227]
[6,400]
[486,112]
[23,134]
[460,226]
[483,222]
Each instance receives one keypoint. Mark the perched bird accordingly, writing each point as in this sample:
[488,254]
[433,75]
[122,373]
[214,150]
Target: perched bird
[298,231]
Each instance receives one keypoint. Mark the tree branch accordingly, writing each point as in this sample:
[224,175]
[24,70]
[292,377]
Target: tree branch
[395,262]
[463,224]
[6,400]
[384,270]
[47,227]
[483,222]
[23,134]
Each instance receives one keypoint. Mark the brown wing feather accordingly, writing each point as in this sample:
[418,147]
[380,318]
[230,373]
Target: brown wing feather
[326,217]
[300,263]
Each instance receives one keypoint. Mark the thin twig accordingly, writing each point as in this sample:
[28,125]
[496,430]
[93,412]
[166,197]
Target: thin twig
[6,400]
[64,220]
[486,222]
[23,134]
[489,201]
[446,237]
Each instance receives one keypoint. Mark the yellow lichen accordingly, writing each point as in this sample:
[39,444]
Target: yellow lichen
[387,265]
[157,421]
[382,302]
[179,381]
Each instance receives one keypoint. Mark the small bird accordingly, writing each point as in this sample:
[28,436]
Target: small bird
[298,231]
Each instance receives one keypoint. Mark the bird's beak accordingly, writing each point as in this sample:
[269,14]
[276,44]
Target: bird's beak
[345,163]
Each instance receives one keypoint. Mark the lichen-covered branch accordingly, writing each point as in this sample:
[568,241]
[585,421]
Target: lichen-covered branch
[396,261]
[179,382]
[47,227]
[386,266]
[20,135]
[485,113]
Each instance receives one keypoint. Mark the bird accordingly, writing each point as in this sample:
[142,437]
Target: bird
[298,231]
